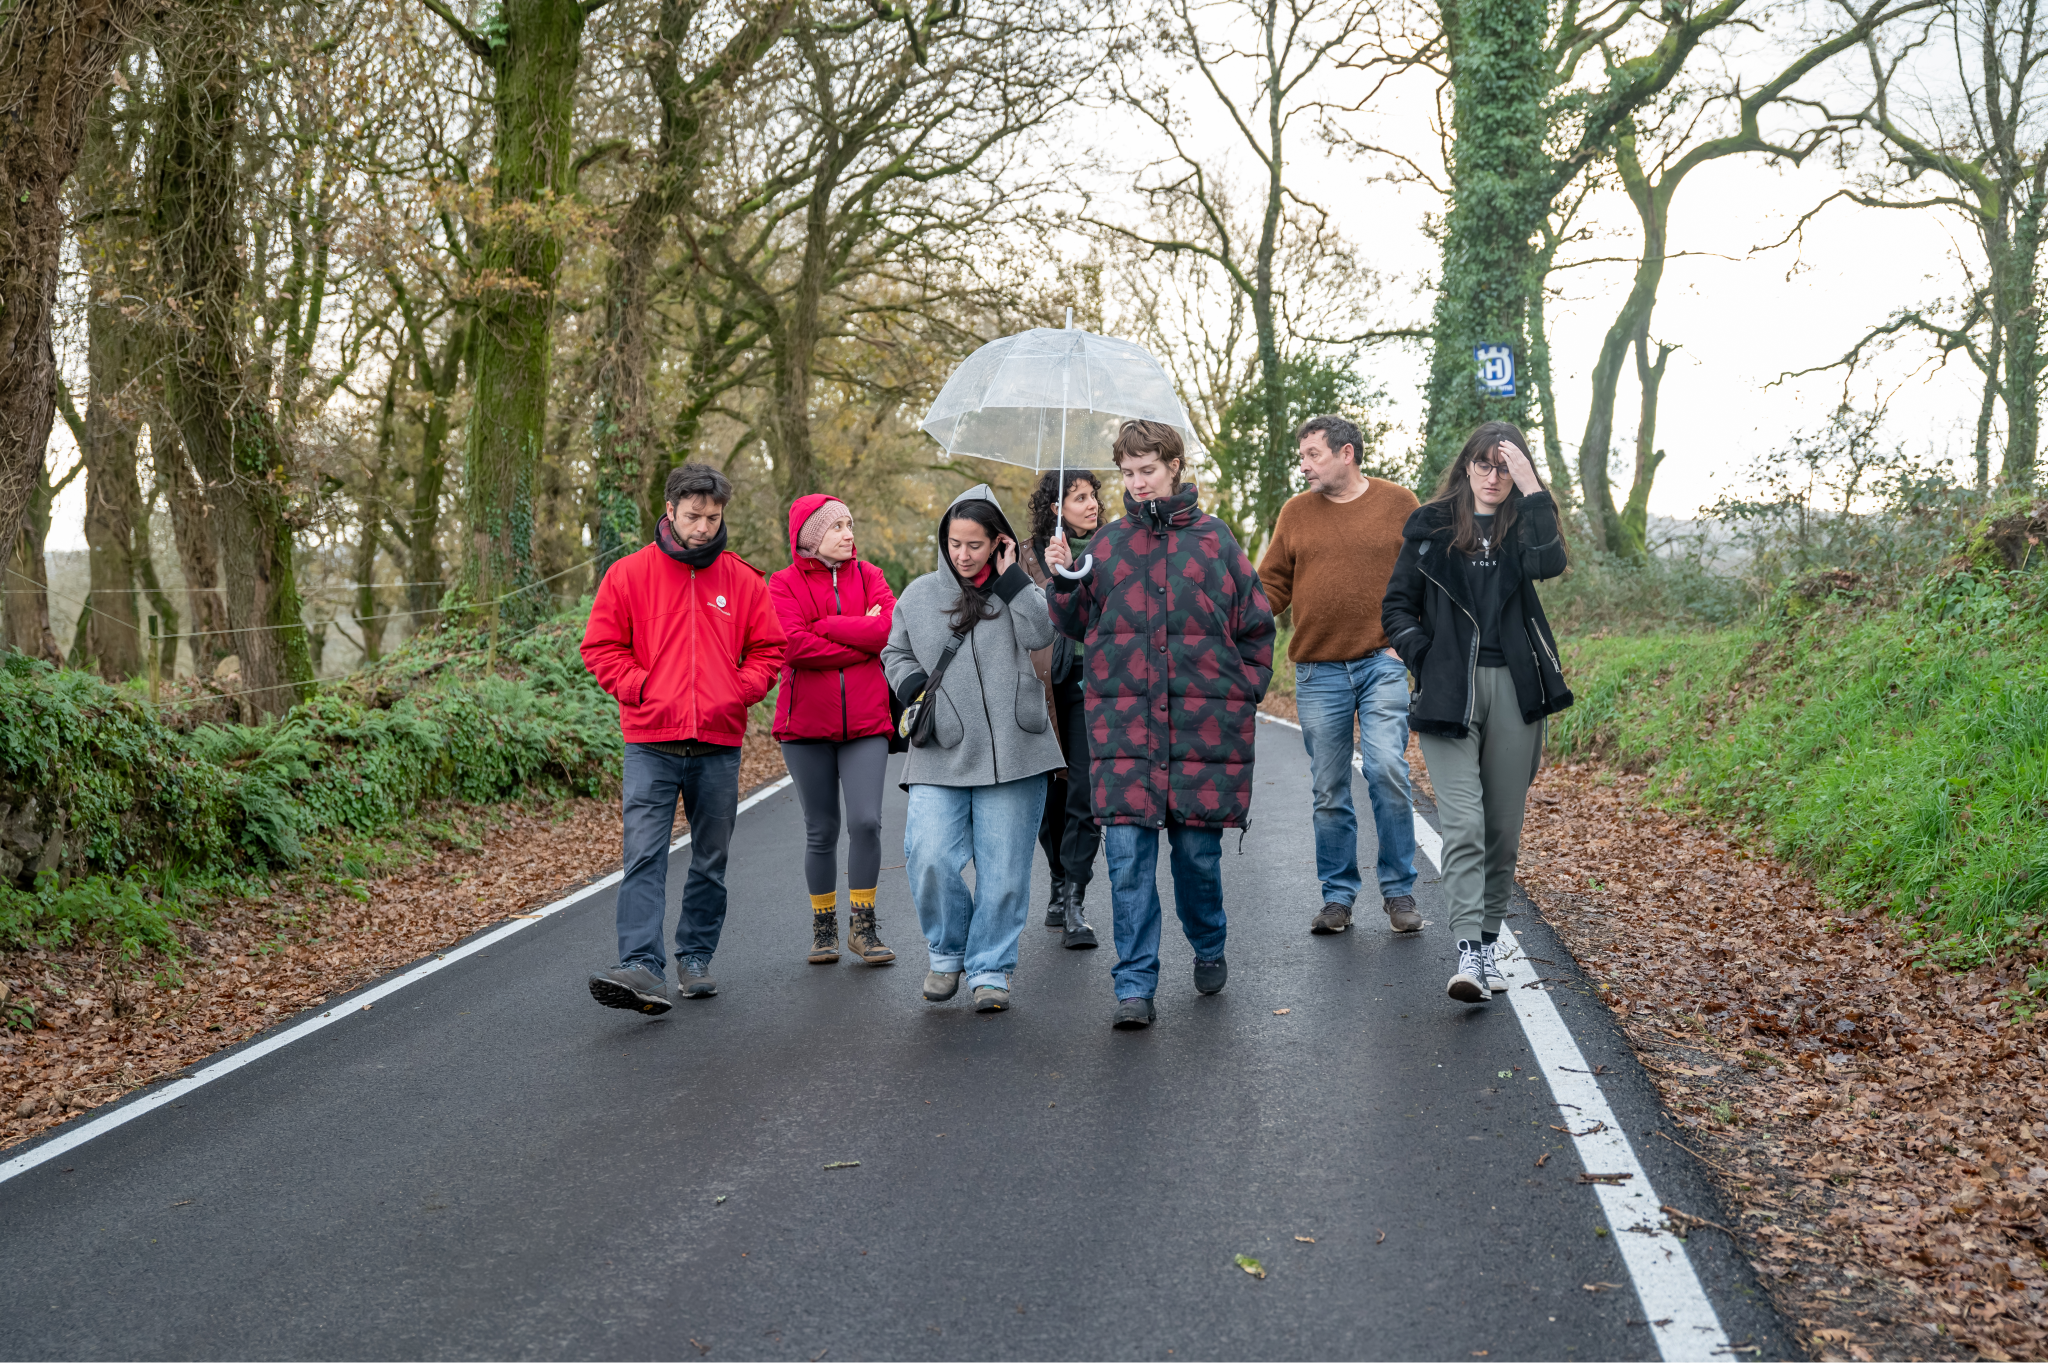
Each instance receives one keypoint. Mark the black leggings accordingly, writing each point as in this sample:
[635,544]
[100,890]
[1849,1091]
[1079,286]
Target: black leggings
[822,771]
[1068,831]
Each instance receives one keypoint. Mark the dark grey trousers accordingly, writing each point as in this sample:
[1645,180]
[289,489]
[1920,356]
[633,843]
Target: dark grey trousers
[823,772]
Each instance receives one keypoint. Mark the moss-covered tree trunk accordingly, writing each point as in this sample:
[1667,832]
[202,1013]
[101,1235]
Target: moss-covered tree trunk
[192,529]
[1500,196]
[2015,269]
[627,450]
[196,221]
[533,57]
[26,614]
[111,635]
[54,57]
[113,497]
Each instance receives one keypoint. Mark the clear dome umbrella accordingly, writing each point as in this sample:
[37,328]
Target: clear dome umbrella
[1053,399]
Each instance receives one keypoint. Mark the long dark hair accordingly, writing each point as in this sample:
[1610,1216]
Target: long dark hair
[1456,487]
[1046,501]
[974,605]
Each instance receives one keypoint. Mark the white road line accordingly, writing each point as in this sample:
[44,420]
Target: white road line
[175,1089]
[1680,1314]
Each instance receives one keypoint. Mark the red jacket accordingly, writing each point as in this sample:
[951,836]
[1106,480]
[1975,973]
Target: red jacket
[683,651]
[832,682]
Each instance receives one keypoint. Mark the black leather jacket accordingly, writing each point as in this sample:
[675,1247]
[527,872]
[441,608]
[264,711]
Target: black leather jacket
[1428,617]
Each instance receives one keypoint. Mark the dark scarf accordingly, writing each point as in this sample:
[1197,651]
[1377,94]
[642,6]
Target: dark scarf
[672,545]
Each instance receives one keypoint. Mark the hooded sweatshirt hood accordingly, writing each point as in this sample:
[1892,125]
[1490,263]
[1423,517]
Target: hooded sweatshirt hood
[980,492]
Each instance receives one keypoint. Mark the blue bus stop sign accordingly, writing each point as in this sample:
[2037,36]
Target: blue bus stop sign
[1496,370]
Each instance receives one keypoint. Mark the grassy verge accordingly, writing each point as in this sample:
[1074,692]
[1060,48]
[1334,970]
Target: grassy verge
[1899,755]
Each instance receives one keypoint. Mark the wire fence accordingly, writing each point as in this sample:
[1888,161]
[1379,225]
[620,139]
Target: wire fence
[494,642]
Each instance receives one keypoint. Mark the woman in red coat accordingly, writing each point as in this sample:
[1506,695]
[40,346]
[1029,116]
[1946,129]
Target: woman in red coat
[832,715]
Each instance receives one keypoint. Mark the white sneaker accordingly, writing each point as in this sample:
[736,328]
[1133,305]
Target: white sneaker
[1469,984]
[1495,981]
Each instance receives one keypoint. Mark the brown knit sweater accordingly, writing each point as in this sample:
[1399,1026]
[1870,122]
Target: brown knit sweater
[1331,560]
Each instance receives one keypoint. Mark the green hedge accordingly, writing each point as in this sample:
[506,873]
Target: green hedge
[1901,755]
[101,794]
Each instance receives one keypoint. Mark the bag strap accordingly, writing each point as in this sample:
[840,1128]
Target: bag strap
[931,683]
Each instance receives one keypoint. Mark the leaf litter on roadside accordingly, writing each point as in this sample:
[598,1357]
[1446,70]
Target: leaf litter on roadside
[1881,1125]
[1250,1265]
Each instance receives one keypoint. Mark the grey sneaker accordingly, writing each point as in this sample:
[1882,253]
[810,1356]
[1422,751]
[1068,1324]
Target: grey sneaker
[1495,981]
[695,974]
[1210,975]
[1469,984]
[1333,918]
[989,999]
[635,987]
[1402,913]
[1131,1014]
[940,985]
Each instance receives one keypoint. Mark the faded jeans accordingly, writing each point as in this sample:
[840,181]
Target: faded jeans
[710,791]
[1196,857]
[1327,696]
[994,827]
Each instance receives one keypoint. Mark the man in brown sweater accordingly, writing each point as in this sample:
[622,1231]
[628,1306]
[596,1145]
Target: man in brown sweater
[1332,551]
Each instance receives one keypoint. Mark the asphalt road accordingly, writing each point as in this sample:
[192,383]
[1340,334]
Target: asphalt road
[489,1164]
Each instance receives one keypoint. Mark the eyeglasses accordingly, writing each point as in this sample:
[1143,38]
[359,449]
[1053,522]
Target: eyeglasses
[1486,470]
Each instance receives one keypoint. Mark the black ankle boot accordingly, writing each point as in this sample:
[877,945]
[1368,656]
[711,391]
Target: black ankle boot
[1055,906]
[1075,934]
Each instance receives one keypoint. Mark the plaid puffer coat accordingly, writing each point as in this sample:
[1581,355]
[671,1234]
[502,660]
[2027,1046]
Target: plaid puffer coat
[1179,649]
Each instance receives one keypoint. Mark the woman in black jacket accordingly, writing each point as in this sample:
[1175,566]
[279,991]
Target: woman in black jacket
[1068,831]
[1462,613]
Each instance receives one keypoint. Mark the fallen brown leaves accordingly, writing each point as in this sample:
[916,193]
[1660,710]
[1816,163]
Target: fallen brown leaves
[107,1027]
[1880,1124]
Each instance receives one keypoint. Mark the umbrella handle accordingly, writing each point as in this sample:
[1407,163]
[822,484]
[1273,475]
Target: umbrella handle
[1079,570]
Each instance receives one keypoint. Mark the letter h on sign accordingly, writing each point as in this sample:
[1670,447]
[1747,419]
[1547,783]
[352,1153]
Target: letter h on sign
[1496,370]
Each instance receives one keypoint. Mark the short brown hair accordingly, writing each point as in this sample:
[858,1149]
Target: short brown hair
[1150,437]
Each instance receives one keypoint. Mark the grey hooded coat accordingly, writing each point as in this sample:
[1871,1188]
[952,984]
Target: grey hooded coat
[990,718]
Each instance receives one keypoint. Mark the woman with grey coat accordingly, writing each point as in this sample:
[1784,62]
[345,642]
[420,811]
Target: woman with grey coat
[977,789]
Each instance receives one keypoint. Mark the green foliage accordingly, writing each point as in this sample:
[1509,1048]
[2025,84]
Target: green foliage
[1900,754]
[129,797]
[1609,593]
[97,908]
[1253,481]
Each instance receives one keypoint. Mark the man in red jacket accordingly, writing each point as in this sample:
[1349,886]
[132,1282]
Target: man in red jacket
[683,636]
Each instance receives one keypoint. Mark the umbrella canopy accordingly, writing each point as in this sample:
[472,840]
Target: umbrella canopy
[1052,398]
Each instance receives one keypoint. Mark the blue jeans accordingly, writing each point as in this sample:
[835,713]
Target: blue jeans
[994,827]
[710,792]
[1326,696]
[1196,857]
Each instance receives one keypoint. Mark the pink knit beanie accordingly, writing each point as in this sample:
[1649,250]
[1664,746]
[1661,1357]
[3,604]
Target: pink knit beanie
[813,534]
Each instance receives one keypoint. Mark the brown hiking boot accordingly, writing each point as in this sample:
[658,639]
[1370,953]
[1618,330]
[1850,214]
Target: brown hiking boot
[1402,913]
[824,937]
[862,941]
[1333,918]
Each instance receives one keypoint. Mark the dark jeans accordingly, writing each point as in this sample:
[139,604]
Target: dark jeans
[1196,857]
[1068,831]
[710,791]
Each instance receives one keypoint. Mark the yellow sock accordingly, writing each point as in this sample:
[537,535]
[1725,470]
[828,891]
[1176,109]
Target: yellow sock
[827,902]
[863,899]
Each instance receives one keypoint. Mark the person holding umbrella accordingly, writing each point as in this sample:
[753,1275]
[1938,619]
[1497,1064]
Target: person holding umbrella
[1066,505]
[1177,643]
[959,657]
